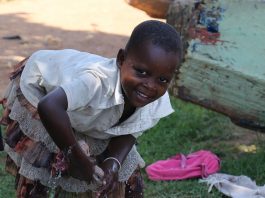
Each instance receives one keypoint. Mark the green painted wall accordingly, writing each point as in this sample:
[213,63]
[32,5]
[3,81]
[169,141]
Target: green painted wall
[226,72]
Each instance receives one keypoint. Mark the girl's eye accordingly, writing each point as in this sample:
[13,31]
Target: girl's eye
[142,72]
[163,80]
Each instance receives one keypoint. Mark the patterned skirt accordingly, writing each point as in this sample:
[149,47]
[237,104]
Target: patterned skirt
[32,154]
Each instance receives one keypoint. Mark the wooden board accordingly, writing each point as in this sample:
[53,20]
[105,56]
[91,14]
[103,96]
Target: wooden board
[224,67]
[154,8]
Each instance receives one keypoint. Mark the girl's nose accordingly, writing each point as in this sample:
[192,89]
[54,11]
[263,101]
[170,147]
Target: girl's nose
[150,84]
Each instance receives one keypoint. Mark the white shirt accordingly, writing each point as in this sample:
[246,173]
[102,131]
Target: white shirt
[93,90]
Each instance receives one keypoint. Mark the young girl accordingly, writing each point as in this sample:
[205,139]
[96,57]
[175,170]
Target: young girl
[73,117]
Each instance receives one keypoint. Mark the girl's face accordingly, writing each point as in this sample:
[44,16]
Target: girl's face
[146,73]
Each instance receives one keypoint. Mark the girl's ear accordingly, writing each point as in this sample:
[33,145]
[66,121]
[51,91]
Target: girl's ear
[120,57]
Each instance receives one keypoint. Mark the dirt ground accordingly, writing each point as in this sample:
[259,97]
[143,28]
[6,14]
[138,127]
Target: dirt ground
[96,26]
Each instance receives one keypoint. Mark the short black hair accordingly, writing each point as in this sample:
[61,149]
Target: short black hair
[159,33]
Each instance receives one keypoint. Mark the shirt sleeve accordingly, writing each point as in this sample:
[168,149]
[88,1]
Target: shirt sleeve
[82,91]
[138,134]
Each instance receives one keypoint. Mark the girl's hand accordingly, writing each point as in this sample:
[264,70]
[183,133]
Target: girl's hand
[110,181]
[82,166]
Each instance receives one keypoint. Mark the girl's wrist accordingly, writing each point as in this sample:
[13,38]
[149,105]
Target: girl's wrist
[75,153]
[114,163]
[79,148]
[71,149]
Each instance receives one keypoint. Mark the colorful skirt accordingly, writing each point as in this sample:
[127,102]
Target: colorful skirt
[32,155]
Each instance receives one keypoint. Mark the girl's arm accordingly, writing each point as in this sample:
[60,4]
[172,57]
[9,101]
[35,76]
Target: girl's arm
[120,146]
[117,151]
[52,111]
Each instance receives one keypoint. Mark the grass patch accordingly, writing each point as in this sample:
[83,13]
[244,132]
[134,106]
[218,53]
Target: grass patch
[192,128]
[7,182]
[187,130]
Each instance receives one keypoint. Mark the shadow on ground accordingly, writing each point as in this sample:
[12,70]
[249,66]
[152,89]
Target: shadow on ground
[35,36]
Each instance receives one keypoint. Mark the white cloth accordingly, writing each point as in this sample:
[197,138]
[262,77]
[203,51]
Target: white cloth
[93,90]
[235,186]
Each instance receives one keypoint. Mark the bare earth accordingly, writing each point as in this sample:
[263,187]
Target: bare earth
[96,26]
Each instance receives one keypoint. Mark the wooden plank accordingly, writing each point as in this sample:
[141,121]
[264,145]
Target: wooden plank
[224,67]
